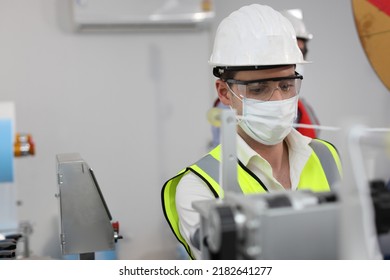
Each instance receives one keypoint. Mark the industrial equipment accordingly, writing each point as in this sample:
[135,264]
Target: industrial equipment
[346,223]
[86,225]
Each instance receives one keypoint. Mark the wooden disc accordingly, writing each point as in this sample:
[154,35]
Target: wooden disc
[372,19]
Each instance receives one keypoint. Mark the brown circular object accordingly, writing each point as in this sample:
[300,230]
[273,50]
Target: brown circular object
[372,19]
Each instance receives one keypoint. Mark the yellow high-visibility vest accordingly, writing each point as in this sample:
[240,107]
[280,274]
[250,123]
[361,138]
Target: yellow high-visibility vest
[321,172]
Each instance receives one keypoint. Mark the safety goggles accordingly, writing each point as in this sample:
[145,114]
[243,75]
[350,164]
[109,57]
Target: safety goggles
[263,89]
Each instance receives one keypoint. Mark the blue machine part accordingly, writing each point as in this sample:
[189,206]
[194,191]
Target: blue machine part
[6,152]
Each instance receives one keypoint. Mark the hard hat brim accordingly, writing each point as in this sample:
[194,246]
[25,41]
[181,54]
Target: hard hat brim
[219,70]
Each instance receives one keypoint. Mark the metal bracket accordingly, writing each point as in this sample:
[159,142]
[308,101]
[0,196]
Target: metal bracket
[228,171]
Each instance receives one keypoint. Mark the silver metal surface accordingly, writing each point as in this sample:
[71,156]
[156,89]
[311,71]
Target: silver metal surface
[228,173]
[298,231]
[85,218]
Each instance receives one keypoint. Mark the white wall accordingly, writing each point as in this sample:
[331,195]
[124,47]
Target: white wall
[134,105]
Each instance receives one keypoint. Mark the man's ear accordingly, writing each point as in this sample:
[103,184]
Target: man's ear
[223,92]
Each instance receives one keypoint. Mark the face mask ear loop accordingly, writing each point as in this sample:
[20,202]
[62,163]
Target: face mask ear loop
[239,118]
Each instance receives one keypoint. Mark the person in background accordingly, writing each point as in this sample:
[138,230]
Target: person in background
[254,58]
[306,114]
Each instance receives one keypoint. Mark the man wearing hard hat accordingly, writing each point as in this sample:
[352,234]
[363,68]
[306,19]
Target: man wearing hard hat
[306,121]
[254,58]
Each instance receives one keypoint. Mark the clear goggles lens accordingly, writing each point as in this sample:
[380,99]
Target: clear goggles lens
[263,90]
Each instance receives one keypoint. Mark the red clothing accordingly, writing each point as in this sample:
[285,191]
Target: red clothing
[306,116]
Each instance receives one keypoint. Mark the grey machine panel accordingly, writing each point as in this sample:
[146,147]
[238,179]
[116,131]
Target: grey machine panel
[302,228]
[85,219]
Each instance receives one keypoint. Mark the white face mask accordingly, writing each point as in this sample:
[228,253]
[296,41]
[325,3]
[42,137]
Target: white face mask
[268,122]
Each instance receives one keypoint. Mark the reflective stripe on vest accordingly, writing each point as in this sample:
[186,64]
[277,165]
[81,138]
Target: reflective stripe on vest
[321,171]
[329,161]
[324,151]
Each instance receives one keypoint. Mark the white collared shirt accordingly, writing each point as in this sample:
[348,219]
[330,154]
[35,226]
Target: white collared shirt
[191,188]
[299,153]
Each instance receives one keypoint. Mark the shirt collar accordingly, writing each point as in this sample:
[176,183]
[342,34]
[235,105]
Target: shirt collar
[296,142]
[244,151]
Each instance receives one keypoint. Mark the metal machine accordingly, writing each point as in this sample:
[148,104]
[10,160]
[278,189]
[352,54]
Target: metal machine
[14,234]
[292,225]
[346,223]
[85,218]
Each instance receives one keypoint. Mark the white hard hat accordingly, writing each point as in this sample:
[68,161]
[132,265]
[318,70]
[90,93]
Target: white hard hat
[254,37]
[295,16]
